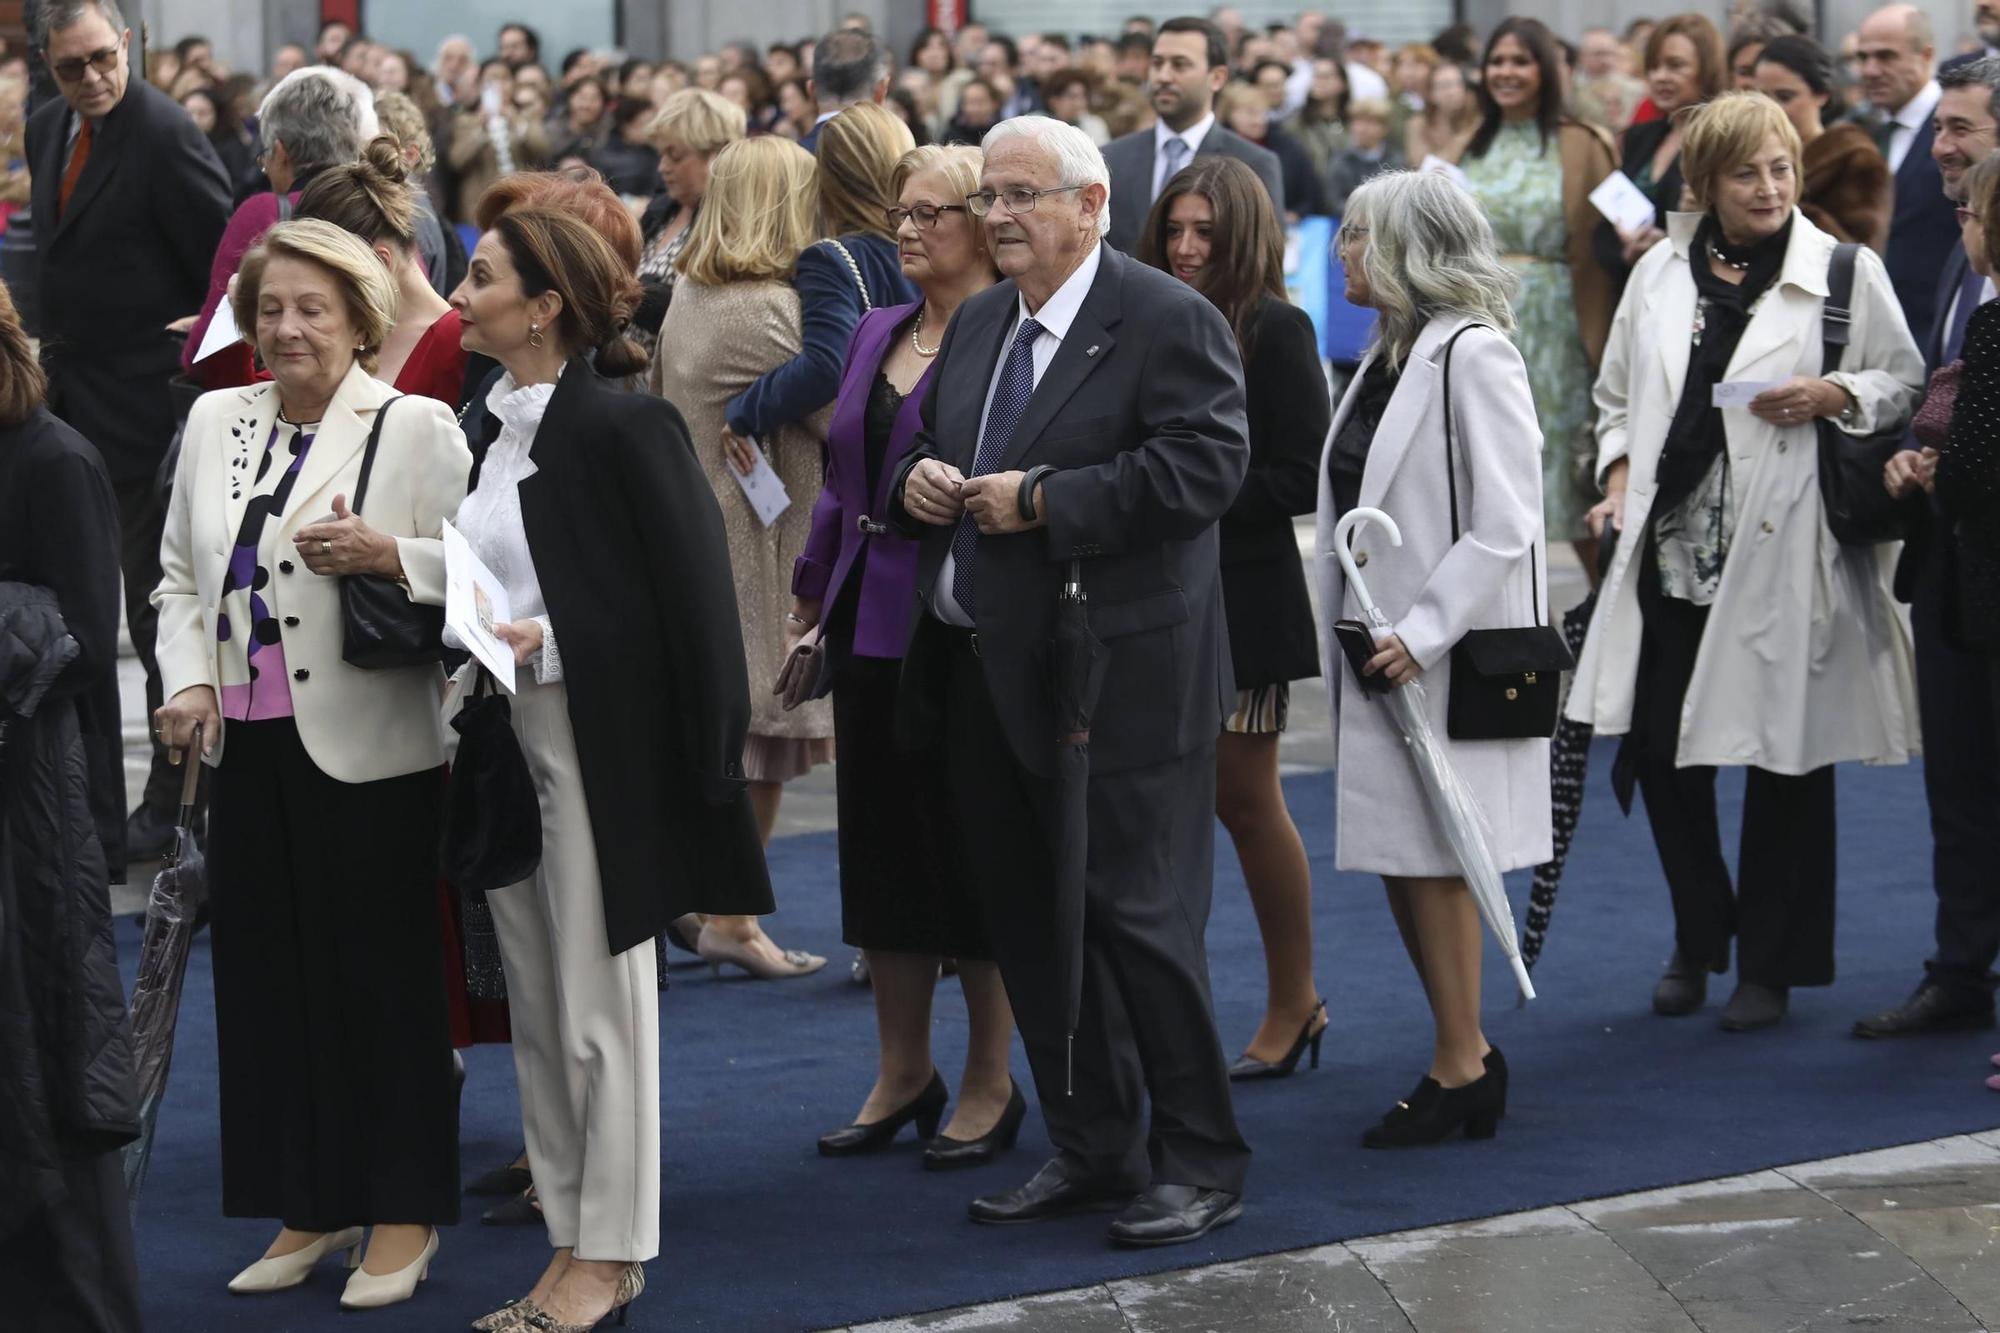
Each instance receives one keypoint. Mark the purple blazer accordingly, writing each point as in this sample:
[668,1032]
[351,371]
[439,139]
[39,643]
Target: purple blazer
[847,517]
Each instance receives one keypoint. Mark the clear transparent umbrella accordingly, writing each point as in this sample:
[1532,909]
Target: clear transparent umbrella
[1444,790]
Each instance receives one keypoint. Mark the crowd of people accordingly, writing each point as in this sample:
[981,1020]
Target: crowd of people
[1009,322]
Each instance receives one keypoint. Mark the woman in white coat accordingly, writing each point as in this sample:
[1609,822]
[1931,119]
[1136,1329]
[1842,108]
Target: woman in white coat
[1733,628]
[1419,250]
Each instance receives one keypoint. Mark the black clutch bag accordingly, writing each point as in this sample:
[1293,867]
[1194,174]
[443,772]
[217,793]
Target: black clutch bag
[492,817]
[1506,684]
[381,627]
[1859,509]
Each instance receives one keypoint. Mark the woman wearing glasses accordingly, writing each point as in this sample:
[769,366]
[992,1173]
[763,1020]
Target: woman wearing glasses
[853,590]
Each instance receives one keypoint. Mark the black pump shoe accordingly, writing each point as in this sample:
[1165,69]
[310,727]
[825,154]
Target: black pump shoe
[945,1153]
[925,1109]
[1249,1067]
[1434,1113]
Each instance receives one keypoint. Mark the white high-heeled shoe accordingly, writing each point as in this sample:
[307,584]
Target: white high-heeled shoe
[288,1270]
[371,1291]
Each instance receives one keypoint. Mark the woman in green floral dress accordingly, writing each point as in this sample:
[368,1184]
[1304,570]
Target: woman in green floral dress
[1532,168]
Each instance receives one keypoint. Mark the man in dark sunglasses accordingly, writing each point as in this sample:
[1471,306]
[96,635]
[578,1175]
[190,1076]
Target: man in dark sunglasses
[129,202]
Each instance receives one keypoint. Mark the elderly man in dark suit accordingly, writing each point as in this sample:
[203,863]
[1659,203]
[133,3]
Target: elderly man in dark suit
[1898,58]
[1088,409]
[1190,66]
[129,202]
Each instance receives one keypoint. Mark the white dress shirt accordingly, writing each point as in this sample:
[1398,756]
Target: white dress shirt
[1904,124]
[490,517]
[1055,317]
[1191,136]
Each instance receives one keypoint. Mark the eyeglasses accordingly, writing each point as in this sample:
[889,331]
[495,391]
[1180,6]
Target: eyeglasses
[1347,236]
[927,215]
[1019,200]
[71,71]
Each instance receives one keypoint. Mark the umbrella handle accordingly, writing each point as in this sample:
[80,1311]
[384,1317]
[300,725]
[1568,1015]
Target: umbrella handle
[1349,521]
[192,776]
[1527,987]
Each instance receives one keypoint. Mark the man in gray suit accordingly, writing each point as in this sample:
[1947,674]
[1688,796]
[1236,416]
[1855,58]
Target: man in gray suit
[1190,65]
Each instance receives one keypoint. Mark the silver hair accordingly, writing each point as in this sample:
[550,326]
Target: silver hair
[1077,158]
[322,115]
[67,13]
[1430,252]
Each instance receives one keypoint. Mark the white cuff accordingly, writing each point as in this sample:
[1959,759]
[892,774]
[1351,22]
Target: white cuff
[548,662]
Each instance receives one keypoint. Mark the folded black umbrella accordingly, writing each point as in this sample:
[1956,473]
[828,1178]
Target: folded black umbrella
[1076,673]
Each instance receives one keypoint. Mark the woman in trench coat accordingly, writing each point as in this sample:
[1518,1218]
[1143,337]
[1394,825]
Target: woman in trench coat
[1732,627]
[1420,251]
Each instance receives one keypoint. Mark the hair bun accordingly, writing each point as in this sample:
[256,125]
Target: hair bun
[384,159]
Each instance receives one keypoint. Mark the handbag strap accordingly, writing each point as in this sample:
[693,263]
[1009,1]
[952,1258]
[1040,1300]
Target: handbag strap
[1837,315]
[1451,477]
[368,456]
[860,283]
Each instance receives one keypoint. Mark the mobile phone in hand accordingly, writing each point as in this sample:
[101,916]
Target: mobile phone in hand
[1358,643]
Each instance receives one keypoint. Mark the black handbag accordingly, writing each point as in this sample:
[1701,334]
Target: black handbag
[1506,684]
[381,627]
[492,817]
[1859,509]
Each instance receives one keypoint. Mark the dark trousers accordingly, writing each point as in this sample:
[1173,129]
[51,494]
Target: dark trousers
[1147,1026]
[142,516]
[332,1035]
[71,1268]
[1960,716]
[1781,912]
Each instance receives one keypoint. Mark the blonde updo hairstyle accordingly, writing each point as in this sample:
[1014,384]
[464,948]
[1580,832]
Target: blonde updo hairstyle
[362,281]
[371,198]
[402,119]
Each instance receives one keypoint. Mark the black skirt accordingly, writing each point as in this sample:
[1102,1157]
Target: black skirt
[898,889]
[332,1032]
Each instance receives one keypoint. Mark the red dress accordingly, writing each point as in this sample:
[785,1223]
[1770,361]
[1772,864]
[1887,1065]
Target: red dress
[436,369]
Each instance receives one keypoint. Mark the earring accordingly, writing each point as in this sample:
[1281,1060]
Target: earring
[534,335]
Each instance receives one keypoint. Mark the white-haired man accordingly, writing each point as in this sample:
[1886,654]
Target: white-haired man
[1087,412]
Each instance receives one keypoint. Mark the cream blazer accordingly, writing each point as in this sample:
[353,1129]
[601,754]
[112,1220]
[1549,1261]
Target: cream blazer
[1806,660]
[1433,590]
[358,726]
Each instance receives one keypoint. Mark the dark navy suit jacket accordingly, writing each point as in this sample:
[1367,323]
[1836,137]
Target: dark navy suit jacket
[1923,227]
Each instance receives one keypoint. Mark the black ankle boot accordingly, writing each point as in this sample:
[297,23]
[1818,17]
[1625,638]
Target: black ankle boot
[1434,1113]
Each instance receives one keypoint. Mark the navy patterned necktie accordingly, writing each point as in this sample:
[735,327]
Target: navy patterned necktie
[1010,401]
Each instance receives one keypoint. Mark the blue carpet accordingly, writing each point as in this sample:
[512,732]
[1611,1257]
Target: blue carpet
[761,1233]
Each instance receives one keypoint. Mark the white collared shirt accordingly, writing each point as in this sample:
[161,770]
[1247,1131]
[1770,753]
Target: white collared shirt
[1905,124]
[490,516]
[1191,136]
[1055,317]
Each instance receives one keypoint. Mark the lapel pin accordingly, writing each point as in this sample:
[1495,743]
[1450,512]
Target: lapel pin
[1091,350]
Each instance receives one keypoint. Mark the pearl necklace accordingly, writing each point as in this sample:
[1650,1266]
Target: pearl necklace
[917,328]
[1721,258]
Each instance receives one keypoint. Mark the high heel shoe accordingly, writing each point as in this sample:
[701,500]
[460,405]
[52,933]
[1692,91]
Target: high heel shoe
[372,1291]
[288,1270]
[1432,1116]
[1250,1067]
[926,1109]
[514,1314]
[716,949]
[683,932]
[630,1283]
[949,1154]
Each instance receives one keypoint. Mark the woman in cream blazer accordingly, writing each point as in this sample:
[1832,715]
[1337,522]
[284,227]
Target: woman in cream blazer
[1419,250]
[337,1106]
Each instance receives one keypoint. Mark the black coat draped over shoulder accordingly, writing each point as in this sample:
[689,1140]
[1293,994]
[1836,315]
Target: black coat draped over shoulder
[629,549]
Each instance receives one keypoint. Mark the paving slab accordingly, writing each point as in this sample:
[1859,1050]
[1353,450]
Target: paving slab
[1757,1197]
[1940,1159]
[1309,1291]
[1958,1246]
[1086,1310]
[1523,1283]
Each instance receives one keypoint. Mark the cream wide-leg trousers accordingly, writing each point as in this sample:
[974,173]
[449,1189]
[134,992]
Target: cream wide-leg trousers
[586,1024]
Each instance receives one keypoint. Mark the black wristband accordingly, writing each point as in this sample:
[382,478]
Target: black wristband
[1025,501]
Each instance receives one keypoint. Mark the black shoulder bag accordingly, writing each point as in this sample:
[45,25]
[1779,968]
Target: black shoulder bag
[492,817]
[381,627]
[1506,684]
[1859,509]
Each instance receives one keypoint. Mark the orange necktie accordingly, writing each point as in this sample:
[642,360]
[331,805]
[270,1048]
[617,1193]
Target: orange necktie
[77,157]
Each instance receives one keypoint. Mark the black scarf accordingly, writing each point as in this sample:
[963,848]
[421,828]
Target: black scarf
[1695,438]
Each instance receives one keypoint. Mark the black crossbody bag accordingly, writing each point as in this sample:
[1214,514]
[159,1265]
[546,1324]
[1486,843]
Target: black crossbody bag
[1506,684]
[380,627]
[1859,509]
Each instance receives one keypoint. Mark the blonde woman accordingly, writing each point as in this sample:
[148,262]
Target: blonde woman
[734,317]
[690,129]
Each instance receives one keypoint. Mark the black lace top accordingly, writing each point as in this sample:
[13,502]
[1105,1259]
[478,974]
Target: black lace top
[878,421]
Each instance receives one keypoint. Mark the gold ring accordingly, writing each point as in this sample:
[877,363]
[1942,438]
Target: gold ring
[326,548]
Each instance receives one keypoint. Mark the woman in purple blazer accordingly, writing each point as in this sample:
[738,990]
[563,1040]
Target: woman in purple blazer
[904,906]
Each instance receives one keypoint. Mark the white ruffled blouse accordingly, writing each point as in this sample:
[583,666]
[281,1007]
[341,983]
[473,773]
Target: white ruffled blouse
[490,516]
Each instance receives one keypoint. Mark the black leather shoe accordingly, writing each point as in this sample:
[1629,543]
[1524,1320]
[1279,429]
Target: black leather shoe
[945,1153]
[1248,1067]
[925,1109]
[1055,1190]
[1754,1006]
[149,834]
[1931,1008]
[1434,1113]
[1682,989]
[1175,1214]
[520,1211]
[508,1179]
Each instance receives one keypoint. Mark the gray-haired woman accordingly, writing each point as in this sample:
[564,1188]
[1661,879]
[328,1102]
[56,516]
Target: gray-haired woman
[314,118]
[1419,250]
